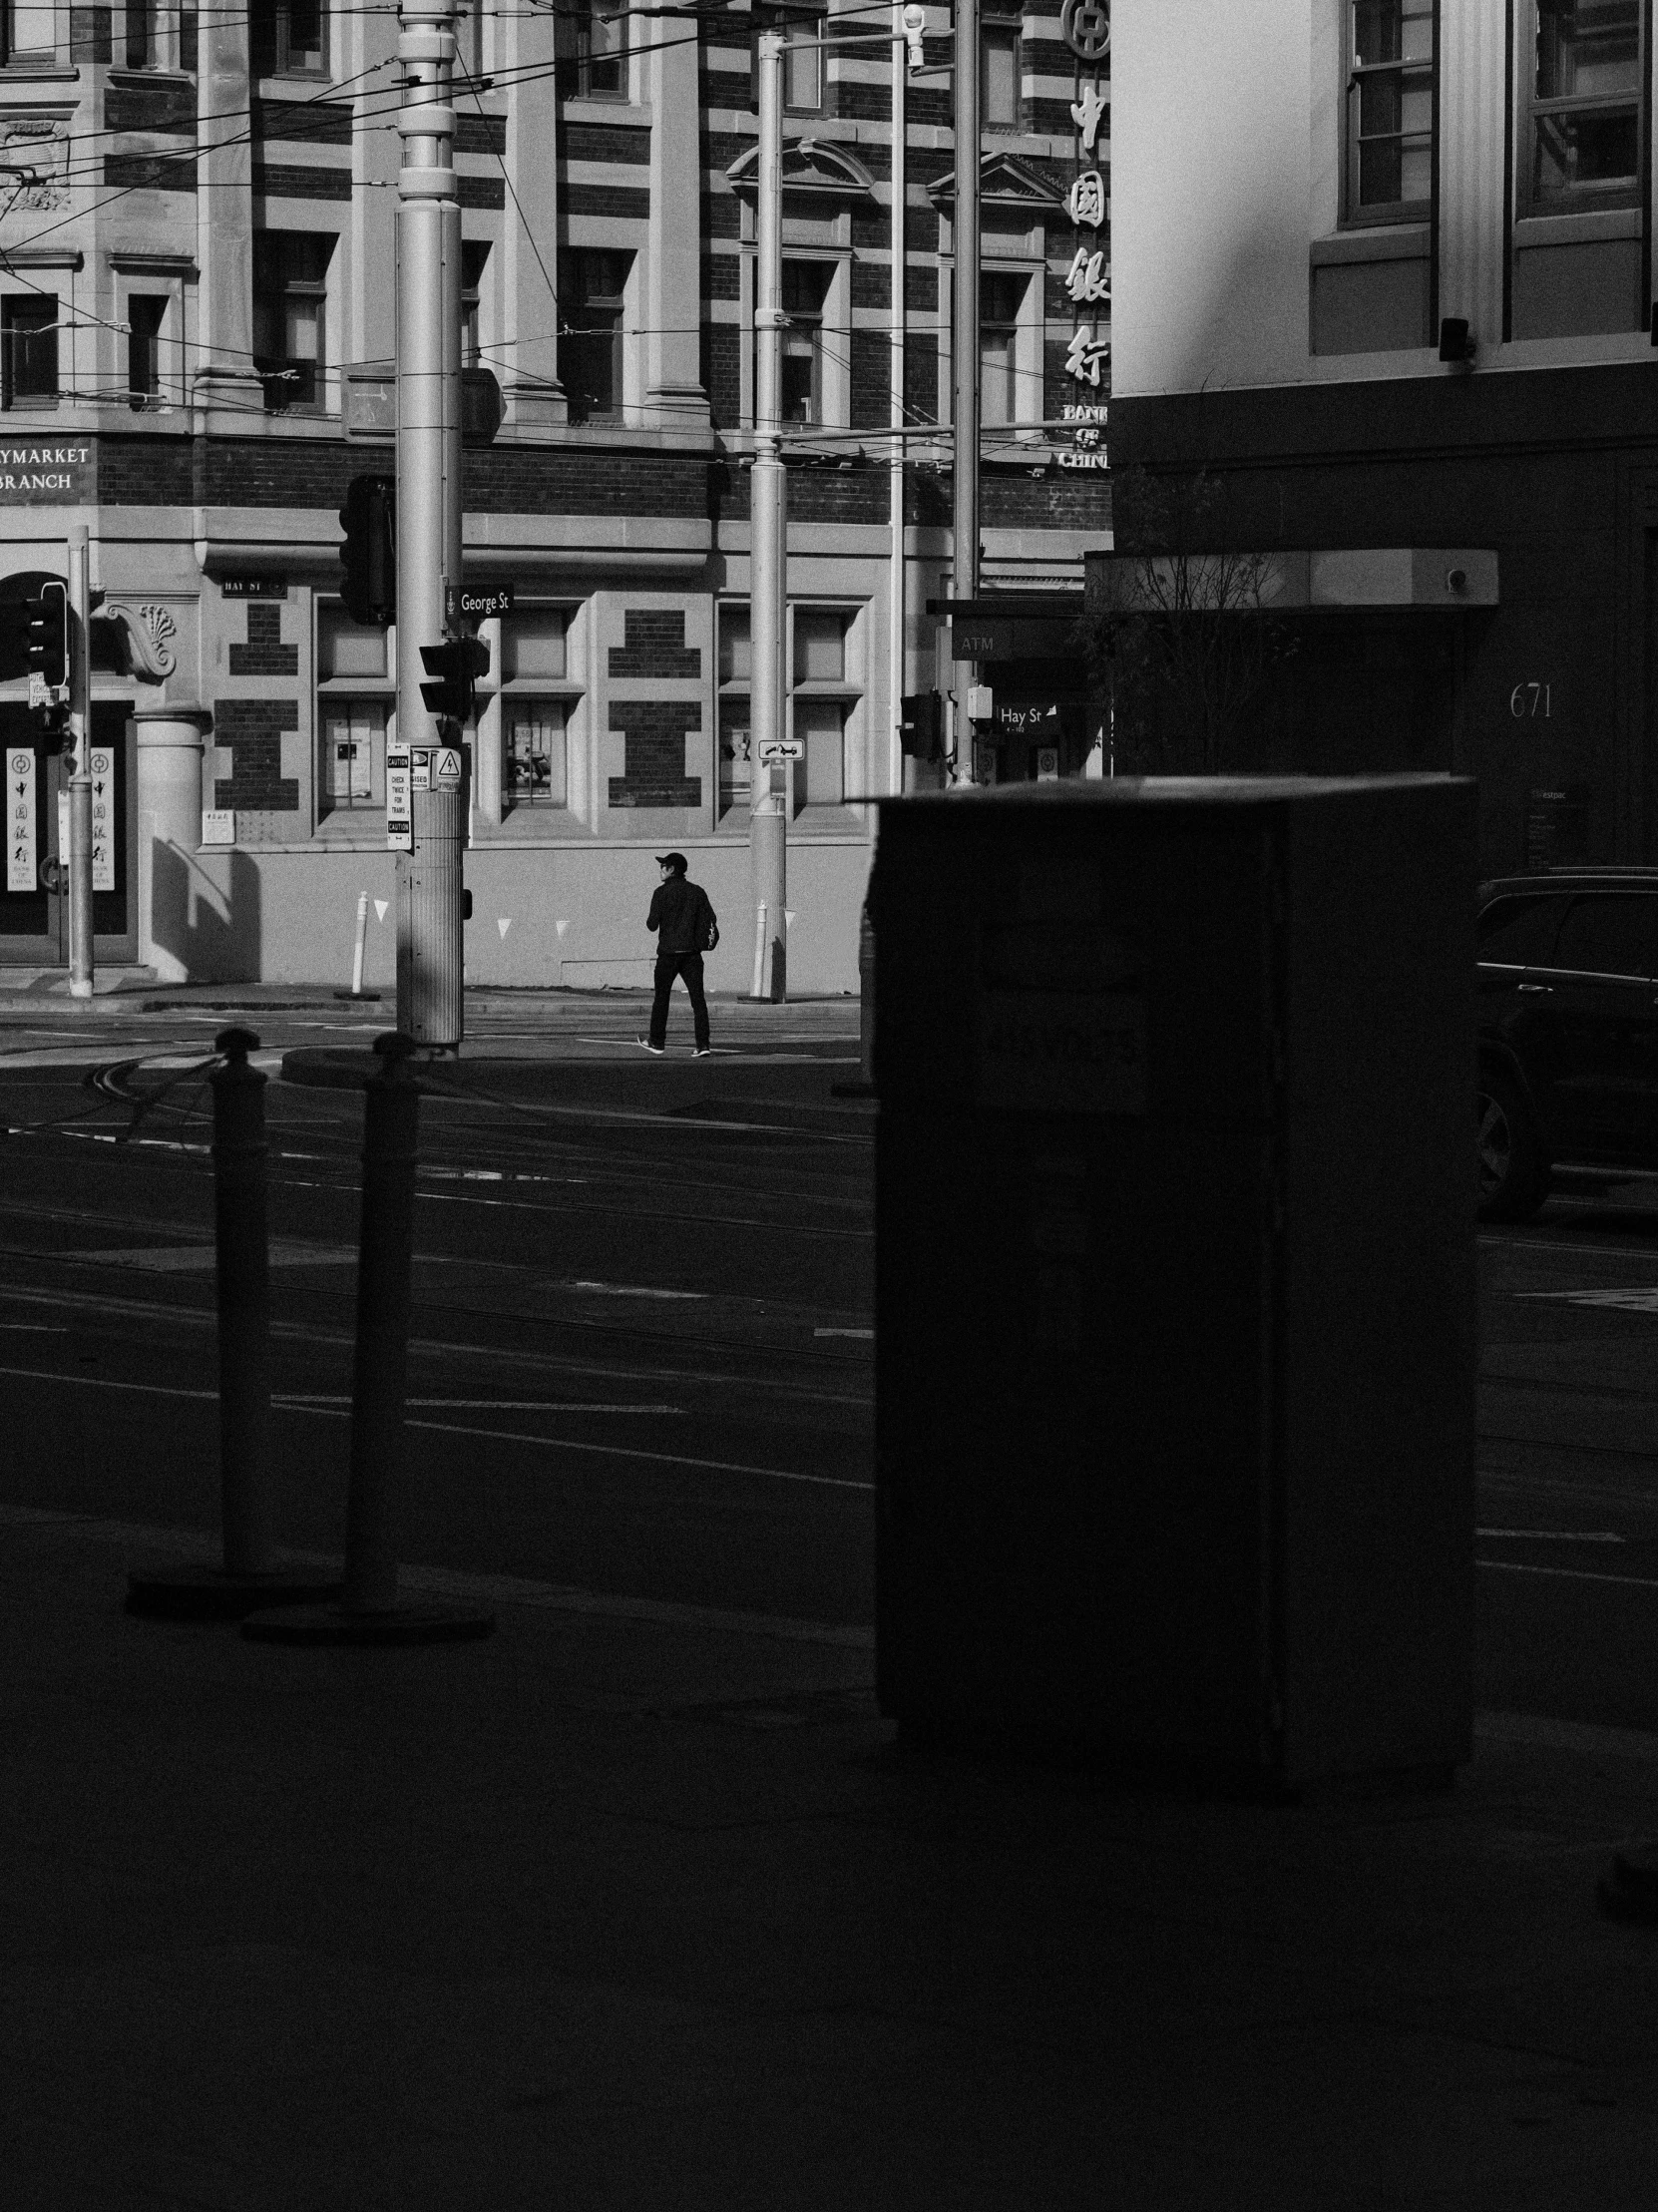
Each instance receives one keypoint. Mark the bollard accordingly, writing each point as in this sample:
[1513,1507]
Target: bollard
[758,986]
[356,991]
[369,1609]
[249,1577]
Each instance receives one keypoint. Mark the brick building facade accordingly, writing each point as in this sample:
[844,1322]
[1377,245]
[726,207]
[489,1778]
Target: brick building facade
[197,289]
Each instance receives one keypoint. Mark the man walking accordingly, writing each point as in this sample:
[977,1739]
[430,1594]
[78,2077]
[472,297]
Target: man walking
[685,928]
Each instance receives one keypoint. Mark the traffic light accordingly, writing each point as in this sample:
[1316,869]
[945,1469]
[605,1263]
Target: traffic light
[921,725]
[369,558]
[47,615]
[457,664]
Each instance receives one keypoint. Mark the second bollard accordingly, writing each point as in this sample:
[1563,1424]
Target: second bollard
[369,1608]
[250,1577]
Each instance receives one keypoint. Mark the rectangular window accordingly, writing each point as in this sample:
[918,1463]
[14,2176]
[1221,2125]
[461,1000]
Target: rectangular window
[1389,108]
[602,50]
[346,648]
[353,752]
[735,793]
[592,285]
[822,698]
[31,30]
[820,772]
[999,75]
[803,73]
[145,314]
[141,34]
[535,645]
[28,350]
[535,752]
[290,316]
[1587,80]
[805,289]
[474,254]
[290,38]
[1000,298]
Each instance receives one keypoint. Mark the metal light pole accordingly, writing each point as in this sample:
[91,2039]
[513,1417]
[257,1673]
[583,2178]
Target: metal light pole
[78,638]
[965,352]
[897,616]
[768,824]
[429,941]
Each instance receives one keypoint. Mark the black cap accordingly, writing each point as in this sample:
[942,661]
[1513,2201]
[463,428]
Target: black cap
[673,860]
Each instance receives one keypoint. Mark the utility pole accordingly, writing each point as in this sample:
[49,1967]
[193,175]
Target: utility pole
[897,618]
[768,822]
[965,365]
[78,640]
[429,941]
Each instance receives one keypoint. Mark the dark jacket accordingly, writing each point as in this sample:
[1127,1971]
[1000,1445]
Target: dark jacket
[680,912]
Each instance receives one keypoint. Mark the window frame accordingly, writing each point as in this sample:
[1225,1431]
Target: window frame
[797,40]
[13,56]
[1357,213]
[845,692]
[537,689]
[272,367]
[610,11]
[151,308]
[1008,35]
[1576,198]
[46,309]
[332,692]
[611,305]
[278,29]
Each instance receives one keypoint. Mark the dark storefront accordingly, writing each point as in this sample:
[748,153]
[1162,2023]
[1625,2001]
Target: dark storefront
[1547,697]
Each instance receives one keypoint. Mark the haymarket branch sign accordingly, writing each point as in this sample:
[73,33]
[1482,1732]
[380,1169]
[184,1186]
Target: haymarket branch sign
[48,472]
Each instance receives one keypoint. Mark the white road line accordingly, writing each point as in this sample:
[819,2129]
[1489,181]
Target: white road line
[1569,1574]
[1556,1536]
[632,1452]
[310,1397]
[458,1428]
[844,1332]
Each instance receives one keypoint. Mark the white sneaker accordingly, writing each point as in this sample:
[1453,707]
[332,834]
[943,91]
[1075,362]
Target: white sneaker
[704,1051]
[647,1046]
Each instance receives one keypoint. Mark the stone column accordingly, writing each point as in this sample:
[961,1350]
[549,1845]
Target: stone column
[673,394]
[169,742]
[224,215]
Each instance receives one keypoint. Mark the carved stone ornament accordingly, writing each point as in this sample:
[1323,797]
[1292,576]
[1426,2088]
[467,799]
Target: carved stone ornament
[33,146]
[147,632]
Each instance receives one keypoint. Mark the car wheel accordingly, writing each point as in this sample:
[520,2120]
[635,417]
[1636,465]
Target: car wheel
[1513,1177]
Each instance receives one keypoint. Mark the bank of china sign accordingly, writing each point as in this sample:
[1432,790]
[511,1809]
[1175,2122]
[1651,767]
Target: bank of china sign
[42,471]
[1087,28]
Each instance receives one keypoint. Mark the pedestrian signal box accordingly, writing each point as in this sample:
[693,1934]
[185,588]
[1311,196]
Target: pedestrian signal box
[921,725]
[369,558]
[456,665]
[47,618]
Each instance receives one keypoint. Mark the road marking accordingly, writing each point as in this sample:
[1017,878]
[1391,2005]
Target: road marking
[1569,1574]
[459,1429]
[1622,1301]
[635,1452]
[843,1332]
[309,1398]
[623,1290]
[443,1582]
[184,1260]
[1556,1536]
[1561,1244]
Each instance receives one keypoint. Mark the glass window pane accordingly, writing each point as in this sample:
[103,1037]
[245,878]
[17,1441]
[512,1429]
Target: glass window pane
[995,376]
[304,34]
[735,766]
[1379,103]
[998,82]
[1381,175]
[1416,171]
[534,641]
[1587,46]
[32,27]
[819,647]
[819,775]
[536,768]
[346,648]
[803,73]
[1376,30]
[734,662]
[352,733]
[1609,935]
[1519,933]
[1416,33]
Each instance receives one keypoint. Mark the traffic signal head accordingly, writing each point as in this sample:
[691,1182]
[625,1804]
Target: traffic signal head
[369,558]
[921,725]
[47,615]
[456,665]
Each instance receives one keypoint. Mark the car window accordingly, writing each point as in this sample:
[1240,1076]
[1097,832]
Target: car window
[1520,932]
[1609,933]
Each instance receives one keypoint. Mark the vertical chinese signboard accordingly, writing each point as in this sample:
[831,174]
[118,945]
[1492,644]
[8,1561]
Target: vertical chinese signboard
[20,810]
[1087,28]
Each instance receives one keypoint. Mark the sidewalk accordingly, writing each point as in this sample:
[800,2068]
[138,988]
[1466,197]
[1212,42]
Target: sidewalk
[637,1906]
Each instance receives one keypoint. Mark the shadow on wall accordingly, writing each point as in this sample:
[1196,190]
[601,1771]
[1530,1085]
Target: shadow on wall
[210,923]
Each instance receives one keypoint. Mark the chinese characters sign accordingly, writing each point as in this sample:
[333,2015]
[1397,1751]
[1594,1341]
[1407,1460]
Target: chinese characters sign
[1087,29]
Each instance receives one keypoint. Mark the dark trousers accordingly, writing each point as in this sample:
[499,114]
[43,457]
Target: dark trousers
[670,965]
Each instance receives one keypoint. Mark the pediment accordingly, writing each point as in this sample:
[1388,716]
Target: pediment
[817,165]
[1003,182]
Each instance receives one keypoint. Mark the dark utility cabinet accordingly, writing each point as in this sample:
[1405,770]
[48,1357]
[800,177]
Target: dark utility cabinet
[1175,1193]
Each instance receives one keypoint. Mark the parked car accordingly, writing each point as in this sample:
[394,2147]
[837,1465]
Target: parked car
[1568,1029]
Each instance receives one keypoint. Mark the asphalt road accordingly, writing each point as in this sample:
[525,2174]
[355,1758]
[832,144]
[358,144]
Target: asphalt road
[641,1356]
[644,1337]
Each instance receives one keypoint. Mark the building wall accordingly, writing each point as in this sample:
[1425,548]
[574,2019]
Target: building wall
[165,183]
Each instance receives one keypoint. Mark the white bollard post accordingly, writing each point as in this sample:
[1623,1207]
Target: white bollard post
[758,989]
[356,991]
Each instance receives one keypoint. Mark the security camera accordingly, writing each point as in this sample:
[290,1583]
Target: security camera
[1457,580]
